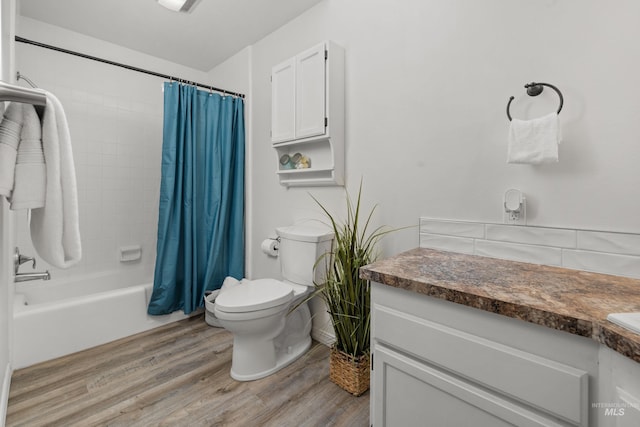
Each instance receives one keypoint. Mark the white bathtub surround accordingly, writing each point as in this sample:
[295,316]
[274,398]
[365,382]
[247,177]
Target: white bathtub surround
[601,252]
[56,318]
[55,228]
[115,120]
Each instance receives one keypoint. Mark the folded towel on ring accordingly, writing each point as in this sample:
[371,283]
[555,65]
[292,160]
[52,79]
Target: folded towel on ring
[534,141]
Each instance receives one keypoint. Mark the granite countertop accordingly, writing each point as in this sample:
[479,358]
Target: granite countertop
[574,301]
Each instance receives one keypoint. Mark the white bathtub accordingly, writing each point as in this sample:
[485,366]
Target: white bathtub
[55,318]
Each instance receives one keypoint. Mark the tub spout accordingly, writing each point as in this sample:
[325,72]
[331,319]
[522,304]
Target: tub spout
[23,277]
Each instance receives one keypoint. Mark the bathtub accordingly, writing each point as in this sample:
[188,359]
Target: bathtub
[59,317]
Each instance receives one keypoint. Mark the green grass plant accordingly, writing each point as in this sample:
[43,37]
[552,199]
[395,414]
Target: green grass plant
[346,295]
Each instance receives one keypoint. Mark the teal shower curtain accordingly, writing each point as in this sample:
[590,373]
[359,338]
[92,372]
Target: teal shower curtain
[201,217]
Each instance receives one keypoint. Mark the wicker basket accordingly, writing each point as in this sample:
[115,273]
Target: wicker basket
[348,372]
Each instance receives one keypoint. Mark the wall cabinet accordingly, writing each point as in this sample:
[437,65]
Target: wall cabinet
[307,115]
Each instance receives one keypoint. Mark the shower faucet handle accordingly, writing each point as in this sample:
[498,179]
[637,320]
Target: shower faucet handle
[20,259]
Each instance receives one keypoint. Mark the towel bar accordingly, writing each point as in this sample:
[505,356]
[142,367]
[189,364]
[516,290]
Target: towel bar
[15,93]
[535,89]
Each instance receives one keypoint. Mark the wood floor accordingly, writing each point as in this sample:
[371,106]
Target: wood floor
[178,375]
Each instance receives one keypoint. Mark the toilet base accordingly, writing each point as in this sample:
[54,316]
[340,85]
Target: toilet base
[284,357]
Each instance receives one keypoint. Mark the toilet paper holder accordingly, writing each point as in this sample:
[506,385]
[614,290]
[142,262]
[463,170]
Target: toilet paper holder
[270,246]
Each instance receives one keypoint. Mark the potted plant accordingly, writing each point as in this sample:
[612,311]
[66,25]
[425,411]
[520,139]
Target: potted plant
[347,296]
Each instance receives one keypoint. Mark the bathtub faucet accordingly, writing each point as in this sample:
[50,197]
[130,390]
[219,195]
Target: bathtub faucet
[20,259]
[23,277]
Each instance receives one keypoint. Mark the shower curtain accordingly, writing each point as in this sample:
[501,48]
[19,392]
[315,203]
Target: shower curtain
[201,216]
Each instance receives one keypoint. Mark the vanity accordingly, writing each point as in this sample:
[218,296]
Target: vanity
[467,340]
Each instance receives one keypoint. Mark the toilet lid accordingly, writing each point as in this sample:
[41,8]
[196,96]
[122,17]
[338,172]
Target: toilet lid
[252,295]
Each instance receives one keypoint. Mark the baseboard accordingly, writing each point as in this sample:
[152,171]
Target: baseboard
[323,336]
[6,385]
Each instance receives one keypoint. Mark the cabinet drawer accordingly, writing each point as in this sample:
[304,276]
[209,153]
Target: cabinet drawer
[546,385]
[411,393]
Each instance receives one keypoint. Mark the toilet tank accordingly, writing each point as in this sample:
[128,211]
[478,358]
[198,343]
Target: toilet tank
[300,247]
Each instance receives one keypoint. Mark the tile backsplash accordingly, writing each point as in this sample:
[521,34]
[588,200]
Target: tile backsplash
[602,252]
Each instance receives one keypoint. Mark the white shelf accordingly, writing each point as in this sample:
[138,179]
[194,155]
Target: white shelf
[309,182]
[307,177]
[308,171]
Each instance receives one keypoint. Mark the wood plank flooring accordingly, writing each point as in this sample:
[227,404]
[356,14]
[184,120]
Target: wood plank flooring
[178,375]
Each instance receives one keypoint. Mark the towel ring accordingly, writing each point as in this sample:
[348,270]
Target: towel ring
[535,89]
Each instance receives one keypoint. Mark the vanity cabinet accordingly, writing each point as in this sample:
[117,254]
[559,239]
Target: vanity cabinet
[444,364]
[463,340]
[307,115]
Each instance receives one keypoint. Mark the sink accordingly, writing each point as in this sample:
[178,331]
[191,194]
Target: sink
[629,321]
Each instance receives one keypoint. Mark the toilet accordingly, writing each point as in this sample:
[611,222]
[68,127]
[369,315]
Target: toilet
[266,338]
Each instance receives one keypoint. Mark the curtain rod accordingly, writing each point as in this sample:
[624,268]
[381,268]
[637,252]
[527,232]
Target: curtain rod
[128,67]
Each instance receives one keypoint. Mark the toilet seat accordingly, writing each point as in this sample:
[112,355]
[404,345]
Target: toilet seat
[254,295]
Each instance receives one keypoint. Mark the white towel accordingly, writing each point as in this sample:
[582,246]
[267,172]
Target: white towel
[228,283]
[55,230]
[10,128]
[534,141]
[30,174]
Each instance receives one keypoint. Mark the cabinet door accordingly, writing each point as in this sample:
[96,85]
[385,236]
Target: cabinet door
[628,413]
[310,92]
[283,101]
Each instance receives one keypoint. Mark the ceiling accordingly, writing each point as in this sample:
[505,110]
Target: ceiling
[214,30]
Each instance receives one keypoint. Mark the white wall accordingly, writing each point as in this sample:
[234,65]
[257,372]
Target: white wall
[427,84]
[115,120]
[234,74]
